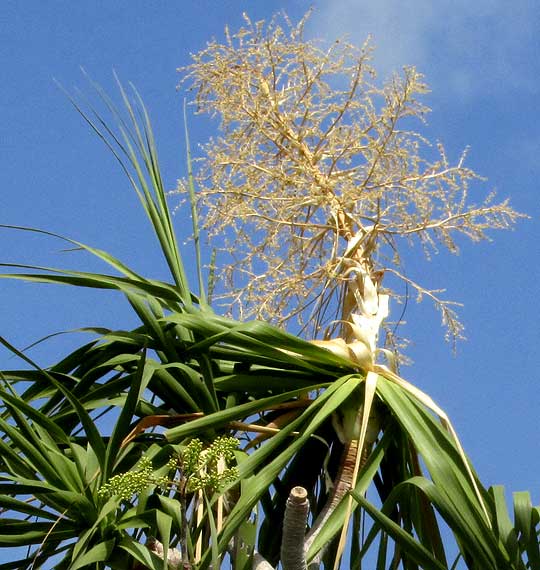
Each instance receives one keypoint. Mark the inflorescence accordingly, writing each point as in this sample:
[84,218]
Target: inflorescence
[200,469]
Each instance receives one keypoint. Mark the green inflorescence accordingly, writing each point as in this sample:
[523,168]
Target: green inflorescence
[191,456]
[125,485]
[198,467]
[201,466]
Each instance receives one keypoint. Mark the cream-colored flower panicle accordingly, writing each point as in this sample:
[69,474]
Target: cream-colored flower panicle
[317,176]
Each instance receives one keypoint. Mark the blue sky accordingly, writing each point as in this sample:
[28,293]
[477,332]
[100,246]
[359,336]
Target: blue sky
[482,62]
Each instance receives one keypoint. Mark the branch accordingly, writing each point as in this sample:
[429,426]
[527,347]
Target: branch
[294,530]
[342,485]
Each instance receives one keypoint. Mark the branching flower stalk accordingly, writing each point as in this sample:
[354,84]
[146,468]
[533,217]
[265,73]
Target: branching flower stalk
[318,177]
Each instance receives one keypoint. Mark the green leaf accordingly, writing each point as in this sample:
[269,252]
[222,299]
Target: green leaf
[141,554]
[505,528]
[98,553]
[440,454]
[221,418]
[92,280]
[8,503]
[94,437]
[122,426]
[194,217]
[415,550]
[213,534]
[164,524]
[526,522]
[15,532]
[135,150]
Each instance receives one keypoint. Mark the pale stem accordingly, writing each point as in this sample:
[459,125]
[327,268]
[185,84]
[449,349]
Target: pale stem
[294,530]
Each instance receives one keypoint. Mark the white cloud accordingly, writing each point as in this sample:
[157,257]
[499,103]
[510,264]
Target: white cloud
[467,47]
[395,34]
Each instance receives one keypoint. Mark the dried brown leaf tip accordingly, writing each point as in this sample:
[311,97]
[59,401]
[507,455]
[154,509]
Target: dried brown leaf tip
[318,178]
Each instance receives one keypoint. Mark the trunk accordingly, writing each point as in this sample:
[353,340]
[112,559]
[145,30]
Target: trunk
[343,483]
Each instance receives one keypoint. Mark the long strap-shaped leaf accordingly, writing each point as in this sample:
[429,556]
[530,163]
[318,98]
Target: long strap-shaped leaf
[194,217]
[158,289]
[135,150]
[416,550]
[431,405]
[370,390]
[91,430]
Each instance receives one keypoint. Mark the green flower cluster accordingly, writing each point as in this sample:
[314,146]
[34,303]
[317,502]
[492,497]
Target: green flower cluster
[125,485]
[201,467]
[191,456]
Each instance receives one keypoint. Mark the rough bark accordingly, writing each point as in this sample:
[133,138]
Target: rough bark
[294,530]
